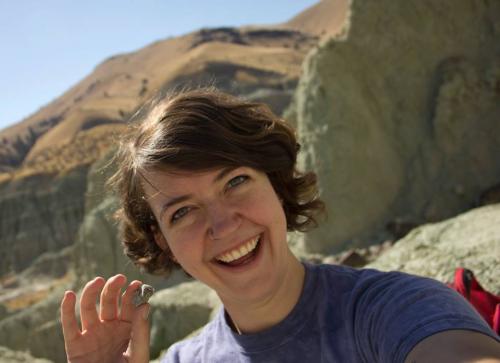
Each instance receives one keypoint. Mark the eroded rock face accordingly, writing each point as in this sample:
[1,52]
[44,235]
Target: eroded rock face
[39,214]
[471,240]
[400,117]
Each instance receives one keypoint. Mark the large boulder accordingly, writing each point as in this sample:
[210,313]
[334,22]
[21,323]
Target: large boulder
[471,240]
[178,311]
[399,116]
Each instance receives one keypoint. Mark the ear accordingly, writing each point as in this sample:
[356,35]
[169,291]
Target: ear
[162,242]
[160,238]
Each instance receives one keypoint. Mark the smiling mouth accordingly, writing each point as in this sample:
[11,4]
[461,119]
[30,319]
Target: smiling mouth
[240,255]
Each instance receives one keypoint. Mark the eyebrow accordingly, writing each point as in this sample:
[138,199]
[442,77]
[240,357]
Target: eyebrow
[182,198]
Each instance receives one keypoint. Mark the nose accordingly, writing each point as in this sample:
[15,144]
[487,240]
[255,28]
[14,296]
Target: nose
[223,220]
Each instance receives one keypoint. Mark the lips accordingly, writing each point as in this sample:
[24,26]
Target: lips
[240,254]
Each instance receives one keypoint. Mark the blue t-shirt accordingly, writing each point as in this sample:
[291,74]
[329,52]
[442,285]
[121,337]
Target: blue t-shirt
[343,315]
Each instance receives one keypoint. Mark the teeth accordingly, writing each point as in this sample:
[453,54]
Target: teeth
[240,251]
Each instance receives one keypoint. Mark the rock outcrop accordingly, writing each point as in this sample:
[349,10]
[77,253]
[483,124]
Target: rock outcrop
[37,329]
[178,311]
[400,116]
[471,240]
[37,215]
[11,356]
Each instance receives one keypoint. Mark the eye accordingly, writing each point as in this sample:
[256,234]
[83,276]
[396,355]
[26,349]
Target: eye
[234,182]
[179,213]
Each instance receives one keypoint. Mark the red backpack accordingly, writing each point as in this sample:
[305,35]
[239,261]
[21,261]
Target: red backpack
[486,303]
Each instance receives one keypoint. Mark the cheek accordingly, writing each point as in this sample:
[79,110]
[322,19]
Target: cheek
[265,208]
[185,243]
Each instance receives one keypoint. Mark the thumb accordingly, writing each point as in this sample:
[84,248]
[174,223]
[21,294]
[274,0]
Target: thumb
[139,342]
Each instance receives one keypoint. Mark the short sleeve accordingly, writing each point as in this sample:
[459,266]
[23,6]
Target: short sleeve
[392,312]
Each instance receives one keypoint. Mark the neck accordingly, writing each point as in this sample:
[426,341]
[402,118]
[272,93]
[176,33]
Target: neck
[255,316]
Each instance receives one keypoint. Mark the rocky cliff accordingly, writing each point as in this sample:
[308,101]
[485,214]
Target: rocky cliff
[399,116]
[39,214]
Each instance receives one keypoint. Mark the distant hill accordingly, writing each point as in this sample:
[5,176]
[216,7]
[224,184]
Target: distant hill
[262,63]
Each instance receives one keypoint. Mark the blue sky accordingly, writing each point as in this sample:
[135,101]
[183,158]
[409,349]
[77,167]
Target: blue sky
[49,45]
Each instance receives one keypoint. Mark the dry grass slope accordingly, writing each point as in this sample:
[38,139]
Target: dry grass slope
[87,147]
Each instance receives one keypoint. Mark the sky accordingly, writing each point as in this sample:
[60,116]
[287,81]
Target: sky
[47,46]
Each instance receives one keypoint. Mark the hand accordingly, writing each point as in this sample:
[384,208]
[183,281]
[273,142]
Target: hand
[112,336]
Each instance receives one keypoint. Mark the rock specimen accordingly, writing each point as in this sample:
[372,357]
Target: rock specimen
[143,294]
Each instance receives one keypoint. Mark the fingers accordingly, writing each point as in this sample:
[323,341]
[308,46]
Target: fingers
[71,330]
[139,343]
[128,307]
[88,300]
[110,297]
[109,292]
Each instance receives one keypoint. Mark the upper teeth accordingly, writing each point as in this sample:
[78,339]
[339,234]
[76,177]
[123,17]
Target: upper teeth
[240,251]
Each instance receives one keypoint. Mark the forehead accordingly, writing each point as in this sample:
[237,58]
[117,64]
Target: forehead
[174,182]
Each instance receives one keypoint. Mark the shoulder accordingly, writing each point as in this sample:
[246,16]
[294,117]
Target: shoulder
[391,312]
[371,286]
[340,277]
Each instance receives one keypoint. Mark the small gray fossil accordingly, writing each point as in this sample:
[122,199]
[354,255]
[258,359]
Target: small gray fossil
[143,294]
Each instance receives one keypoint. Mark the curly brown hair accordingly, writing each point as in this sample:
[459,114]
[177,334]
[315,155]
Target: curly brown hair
[199,130]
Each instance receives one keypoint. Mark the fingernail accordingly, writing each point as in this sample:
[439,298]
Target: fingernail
[145,313]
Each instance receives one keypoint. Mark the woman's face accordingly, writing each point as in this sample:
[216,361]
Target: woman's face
[225,227]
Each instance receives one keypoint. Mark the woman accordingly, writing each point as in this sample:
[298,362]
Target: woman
[208,184]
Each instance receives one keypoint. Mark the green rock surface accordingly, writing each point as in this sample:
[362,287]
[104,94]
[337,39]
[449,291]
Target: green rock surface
[471,240]
[399,116]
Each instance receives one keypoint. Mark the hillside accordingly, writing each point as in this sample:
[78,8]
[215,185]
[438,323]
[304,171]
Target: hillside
[241,61]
